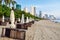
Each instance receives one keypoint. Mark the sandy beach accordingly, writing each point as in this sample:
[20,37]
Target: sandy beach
[43,30]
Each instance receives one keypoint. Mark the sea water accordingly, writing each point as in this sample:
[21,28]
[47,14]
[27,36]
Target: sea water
[57,21]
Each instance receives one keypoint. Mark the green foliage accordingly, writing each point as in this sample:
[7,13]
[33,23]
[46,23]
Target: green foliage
[17,13]
[4,10]
[13,3]
[1,10]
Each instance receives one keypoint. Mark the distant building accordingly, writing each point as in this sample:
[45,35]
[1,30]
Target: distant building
[33,10]
[18,7]
[26,9]
[40,14]
[51,17]
[46,16]
[36,15]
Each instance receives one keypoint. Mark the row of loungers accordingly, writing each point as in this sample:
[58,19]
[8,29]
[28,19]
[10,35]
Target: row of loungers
[3,23]
[13,33]
[24,26]
[18,32]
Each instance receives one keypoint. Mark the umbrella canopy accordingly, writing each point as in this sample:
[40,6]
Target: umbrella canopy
[27,20]
[3,18]
[12,19]
[22,19]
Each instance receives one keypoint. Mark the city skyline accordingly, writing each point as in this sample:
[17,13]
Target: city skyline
[50,7]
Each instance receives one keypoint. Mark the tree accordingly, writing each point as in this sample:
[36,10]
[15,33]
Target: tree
[1,8]
[13,3]
[6,11]
[0,2]
[7,2]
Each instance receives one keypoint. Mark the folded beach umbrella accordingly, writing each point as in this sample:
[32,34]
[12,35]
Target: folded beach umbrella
[3,18]
[27,20]
[12,19]
[19,19]
[30,19]
[22,19]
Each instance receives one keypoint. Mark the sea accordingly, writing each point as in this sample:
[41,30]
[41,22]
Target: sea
[56,21]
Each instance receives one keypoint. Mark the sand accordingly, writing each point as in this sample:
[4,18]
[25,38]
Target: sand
[43,30]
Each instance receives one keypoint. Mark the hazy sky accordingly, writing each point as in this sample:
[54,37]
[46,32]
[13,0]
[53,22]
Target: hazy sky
[46,6]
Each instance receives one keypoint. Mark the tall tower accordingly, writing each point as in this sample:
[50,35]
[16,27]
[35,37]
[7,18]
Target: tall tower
[51,17]
[18,7]
[26,9]
[46,16]
[33,10]
[40,14]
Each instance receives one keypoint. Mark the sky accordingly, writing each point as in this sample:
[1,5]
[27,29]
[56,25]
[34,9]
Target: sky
[50,7]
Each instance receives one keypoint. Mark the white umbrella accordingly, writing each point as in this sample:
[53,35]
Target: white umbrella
[27,20]
[30,19]
[19,19]
[22,19]
[3,18]
[12,19]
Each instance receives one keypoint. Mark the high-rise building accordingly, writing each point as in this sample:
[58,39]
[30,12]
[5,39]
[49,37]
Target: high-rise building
[46,16]
[26,9]
[51,17]
[18,7]
[40,14]
[33,10]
